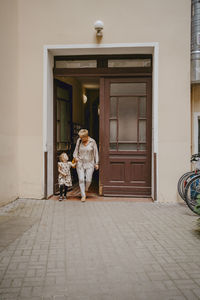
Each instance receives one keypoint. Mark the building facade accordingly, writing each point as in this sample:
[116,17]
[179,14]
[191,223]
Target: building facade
[145,46]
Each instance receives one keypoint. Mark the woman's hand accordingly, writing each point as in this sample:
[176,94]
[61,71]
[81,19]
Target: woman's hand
[96,167]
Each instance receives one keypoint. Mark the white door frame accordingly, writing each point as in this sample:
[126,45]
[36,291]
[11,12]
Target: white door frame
[94,49]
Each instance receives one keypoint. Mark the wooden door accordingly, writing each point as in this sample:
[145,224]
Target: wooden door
[63,128]
[125,137]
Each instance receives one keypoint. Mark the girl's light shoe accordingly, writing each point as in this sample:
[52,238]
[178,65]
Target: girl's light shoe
[83,199]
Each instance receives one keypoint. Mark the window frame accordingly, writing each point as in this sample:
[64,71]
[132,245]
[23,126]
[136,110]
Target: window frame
[196,131]
[102,65]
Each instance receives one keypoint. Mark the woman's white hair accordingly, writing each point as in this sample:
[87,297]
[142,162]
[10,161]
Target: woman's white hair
[83,133]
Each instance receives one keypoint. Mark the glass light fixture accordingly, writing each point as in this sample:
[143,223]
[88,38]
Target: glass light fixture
[84,98]
[98,26]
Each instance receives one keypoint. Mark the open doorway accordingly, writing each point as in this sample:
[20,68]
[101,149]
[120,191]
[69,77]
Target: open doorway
[76,106]
[125,135]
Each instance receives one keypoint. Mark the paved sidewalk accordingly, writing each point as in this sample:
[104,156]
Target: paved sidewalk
[98,251]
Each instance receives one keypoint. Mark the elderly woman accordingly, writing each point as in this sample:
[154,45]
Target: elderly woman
[87,158]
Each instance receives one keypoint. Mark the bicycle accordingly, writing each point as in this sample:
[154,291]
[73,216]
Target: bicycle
[192,194]
[186,177]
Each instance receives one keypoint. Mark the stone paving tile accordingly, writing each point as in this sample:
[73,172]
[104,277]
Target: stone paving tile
[101,251]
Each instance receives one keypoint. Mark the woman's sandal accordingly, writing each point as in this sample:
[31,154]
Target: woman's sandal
[83,199]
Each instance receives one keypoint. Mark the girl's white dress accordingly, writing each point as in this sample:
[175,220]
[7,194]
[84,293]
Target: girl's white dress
[65,168]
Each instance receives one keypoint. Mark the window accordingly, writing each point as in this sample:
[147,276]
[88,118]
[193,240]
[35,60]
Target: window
[127,63]
[76,64]
[103,61]
[128,116]
[196,132]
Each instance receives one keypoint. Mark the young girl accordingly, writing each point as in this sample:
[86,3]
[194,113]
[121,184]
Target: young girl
[64,177]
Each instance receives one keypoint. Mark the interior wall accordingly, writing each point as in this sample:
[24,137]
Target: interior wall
[9,105]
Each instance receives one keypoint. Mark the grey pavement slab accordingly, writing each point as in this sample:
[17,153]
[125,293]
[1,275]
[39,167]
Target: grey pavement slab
[98,250]
[12,227]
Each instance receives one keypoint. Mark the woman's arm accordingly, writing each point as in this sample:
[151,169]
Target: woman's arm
[96,156]
[75,154]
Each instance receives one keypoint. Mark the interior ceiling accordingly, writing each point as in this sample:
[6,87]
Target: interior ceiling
[86,82]
[89,82]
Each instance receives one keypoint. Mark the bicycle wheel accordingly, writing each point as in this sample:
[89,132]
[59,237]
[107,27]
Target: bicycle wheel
[182,183]
[192,193]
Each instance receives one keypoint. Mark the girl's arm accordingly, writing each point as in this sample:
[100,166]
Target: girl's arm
[71,164]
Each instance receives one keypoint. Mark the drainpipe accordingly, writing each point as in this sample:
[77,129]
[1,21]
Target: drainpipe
[195,42]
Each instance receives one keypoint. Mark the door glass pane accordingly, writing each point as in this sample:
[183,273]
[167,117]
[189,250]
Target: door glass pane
[58,123]
[76,64]
[63,93]
[198,135]
[58,131]
[113,130]
[142,130]
[127,146]
[127,119]
[113,107]
[113,146]
[128,89]
[124,63]
[58,110]
[142,107]
[63,122]
[142,147]
[68,118]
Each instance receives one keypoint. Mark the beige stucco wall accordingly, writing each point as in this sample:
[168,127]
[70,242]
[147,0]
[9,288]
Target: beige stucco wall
[130,21]
[8,102]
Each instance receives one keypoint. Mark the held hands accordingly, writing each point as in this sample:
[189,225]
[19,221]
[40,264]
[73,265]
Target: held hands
[73,163]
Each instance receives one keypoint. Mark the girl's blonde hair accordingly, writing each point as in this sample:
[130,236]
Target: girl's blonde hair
[83,133]
[62,155]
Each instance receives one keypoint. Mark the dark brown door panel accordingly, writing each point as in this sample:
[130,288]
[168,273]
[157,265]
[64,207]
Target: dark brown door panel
[116,190]
[126,135]
[117,171]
